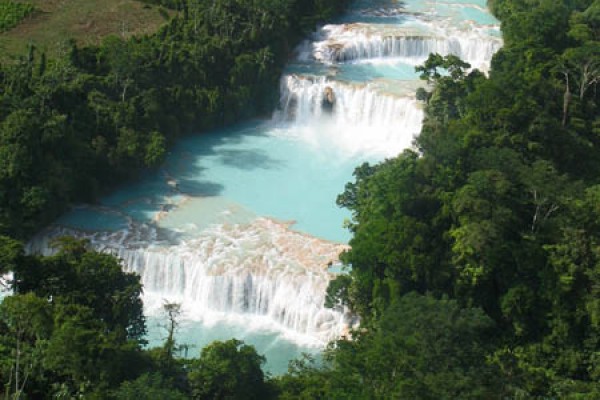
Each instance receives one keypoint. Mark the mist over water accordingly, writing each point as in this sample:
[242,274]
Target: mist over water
[241,224]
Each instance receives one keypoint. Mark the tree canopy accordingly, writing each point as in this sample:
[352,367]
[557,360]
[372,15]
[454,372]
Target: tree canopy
[497,208]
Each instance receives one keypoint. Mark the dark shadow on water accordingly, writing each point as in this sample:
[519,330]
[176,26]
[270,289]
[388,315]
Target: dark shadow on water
[183,162]
[157,191]
[199,188]
[153,192]
[248,159]
[183,174]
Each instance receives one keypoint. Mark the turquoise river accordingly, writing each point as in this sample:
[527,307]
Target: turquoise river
[240,224]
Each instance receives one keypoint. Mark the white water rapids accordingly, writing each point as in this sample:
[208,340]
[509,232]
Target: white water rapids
[262,268]
[352,42]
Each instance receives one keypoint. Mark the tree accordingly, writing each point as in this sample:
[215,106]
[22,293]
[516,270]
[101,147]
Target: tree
[76,275]
[498,211]
[396,248]
[173,312]
[148,387]
[155,149]
[11,254]
[419,348]
[26,321]
[85,356]
[88,118]
[305,380]
[228,370]
[580,67]
[453,65]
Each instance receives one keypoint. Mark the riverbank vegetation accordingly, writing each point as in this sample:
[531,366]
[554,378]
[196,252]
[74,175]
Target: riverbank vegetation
[78,121]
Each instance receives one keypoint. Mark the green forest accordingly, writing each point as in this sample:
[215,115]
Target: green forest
[475,257]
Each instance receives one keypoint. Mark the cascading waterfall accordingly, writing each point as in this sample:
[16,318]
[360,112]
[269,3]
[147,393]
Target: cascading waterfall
[208,231]
[303,98]
[343,43]
[261,269]
[412,49]
[244,270]
[366,119]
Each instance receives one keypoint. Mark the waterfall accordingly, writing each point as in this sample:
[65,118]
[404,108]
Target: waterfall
[342,43]
[259,269]
[348,98]
[356,118]
[302,99]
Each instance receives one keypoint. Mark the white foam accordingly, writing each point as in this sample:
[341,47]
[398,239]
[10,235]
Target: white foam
[362,118]
[232,272]
[351,42]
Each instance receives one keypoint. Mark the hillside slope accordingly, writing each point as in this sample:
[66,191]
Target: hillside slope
[86,21]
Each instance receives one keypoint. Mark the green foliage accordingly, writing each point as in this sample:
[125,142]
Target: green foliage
[148,387]
[422,348]
[337,291]
[25,325]
[12,12]
[228,370]
[11,254]
[304,380]
[84,354]
[419,348]
[475,261]
[96,281]
[499,210]
[74,326]
[452,83]
[394,249]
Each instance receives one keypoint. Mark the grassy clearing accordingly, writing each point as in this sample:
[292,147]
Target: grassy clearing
[11,13]
[87,21]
